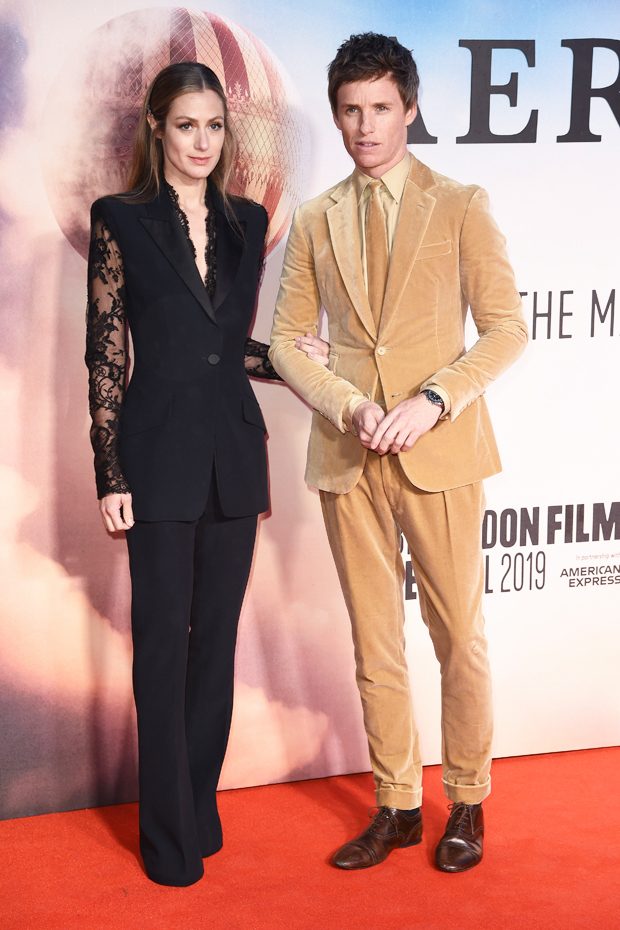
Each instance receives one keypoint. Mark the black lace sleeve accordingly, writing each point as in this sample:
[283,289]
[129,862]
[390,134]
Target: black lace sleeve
[257,364]
[106,356]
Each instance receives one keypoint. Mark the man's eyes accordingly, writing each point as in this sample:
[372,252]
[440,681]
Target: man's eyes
[380,108]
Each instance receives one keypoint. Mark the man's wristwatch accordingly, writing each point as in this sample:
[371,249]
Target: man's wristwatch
[434,398]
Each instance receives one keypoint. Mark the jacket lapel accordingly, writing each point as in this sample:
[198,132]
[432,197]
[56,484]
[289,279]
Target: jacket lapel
[344,232]
[229,245]
[164,227]
[415,214]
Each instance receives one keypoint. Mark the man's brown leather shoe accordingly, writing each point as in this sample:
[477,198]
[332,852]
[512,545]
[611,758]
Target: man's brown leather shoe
[460,848]
[390,829]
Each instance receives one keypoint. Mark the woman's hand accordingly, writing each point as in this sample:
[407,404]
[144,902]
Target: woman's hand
[315,348]
[116,512]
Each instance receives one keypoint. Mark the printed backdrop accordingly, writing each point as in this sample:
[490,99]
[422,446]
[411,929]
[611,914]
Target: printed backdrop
[521,98]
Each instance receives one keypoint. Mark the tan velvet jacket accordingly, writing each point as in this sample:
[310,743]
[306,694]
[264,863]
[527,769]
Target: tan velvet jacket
[448,255]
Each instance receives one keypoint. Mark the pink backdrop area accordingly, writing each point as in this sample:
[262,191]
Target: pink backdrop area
[72,76]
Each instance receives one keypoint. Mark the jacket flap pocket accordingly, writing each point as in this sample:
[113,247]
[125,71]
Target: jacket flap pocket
[138,420]
[434,250]
[252,412]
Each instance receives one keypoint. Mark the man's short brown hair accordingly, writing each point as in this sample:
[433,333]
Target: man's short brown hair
[369,56]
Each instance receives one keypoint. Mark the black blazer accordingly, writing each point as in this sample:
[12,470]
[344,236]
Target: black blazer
[189,405]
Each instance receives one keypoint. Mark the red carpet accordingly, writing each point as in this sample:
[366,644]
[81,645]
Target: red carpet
[552,861]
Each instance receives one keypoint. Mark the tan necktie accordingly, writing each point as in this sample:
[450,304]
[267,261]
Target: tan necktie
[377,258]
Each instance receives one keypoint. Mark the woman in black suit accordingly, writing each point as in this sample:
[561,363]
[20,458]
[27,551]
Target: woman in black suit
[180,454]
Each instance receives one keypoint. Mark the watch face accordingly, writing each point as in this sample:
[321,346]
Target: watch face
[435,398]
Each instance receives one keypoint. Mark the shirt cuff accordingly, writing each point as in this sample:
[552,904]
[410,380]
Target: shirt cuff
[349,409]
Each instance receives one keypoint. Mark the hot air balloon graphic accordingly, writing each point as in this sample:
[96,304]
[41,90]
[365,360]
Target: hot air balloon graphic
[94,104]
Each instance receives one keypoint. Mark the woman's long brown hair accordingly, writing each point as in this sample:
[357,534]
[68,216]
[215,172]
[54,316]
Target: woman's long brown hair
[146,170]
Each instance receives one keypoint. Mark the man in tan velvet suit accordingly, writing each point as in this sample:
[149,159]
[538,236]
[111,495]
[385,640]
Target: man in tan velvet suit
[401,437]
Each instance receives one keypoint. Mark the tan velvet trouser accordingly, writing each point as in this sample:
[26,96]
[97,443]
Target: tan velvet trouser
[443,532]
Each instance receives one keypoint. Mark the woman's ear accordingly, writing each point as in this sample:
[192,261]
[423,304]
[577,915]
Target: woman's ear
[153,124]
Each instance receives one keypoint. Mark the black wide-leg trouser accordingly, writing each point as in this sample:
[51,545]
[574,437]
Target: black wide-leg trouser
[188,582]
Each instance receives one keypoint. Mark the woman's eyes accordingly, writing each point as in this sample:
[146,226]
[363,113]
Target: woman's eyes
[212,126]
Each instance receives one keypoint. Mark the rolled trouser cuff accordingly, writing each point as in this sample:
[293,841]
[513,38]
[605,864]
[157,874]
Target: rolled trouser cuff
[401,800]
[467,794]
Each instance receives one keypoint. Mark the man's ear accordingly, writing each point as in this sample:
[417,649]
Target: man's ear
[335,118]
[411,114]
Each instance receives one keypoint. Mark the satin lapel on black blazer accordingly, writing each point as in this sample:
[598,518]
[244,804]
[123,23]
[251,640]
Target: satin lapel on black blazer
[164,226]
[229,245]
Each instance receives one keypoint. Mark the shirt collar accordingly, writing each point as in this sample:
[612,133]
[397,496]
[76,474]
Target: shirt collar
[394,179]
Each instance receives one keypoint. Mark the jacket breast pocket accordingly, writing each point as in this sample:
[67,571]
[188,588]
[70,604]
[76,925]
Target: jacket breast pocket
[434,250]
[252,412]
